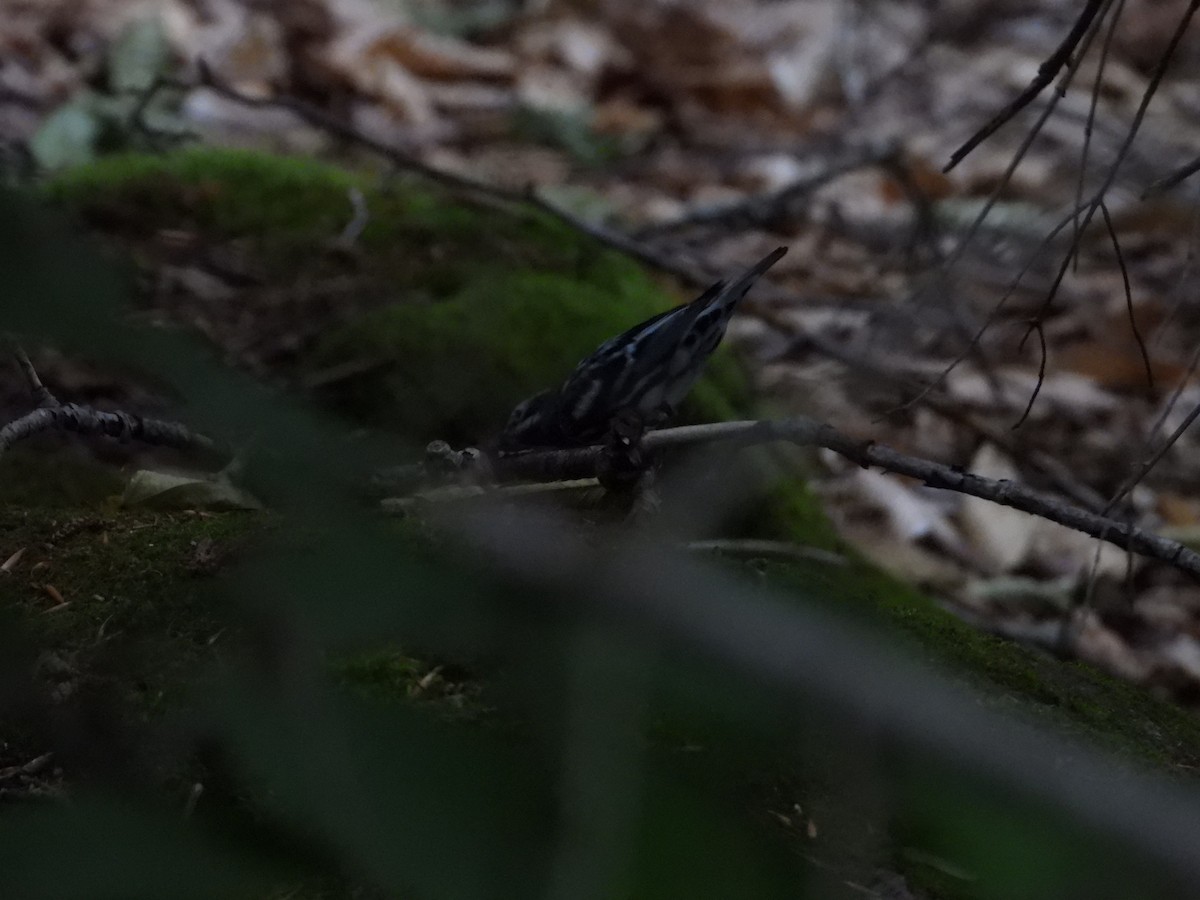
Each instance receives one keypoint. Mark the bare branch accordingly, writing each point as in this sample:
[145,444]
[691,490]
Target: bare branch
[1154,460]
[406,161]
[760,549]
[1139,116]
[1090,122]
[1041,375]
[588,462]
[1097,199]
[975,341]
[1169,181]
[1045,74]
[1006,493]
[630,246]
[1056,472]
[766,209]
[1137,335]
[121,425]
[346,132]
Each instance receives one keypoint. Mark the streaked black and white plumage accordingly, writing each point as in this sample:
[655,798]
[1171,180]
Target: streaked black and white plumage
[645,372]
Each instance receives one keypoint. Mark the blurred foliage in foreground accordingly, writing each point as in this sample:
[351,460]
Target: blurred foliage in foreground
[603,762]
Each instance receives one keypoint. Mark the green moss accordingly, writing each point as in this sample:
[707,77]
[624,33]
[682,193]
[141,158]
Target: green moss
[446,314]
[465,309]
[231,191]
[460,309]
[386,675]
[459,364]
[1071,696]
[452,311]
[135,617]
[444,317]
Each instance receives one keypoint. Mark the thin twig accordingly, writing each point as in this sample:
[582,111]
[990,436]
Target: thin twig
[1168,408]
[994,315]
[42,397]
[1181,291]
[924,227]
[1045,74]
[1067,636]
[1041,376]
[758,549]
[766,209]
[358,221]
[1137,335]
[974,347]
[1152,86]
[642,251]
[1154,460]
[1090,122]
[1169,181]
[342,130]
[346,132]
[1043,463]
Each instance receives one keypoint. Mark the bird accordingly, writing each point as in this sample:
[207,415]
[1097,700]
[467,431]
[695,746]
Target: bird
[643,373]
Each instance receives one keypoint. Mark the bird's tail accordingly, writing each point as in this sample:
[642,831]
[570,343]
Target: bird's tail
[730,294]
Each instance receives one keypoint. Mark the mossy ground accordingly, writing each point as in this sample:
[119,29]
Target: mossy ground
[1072,696]
[140,624]
[442,317]
[126,579]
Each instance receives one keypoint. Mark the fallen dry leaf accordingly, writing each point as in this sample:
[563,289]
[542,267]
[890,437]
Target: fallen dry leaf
[439,57]
[11,562]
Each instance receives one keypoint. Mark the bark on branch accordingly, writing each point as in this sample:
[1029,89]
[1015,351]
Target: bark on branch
[51,415]
[121,425]
[589,462]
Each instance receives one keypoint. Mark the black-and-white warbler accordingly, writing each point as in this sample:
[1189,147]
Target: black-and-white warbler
[644,372]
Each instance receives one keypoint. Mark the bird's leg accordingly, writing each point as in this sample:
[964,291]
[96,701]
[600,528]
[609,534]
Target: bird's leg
[624,461]
[626,470]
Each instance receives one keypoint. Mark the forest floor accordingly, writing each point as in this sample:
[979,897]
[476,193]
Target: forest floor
[710,133]
[713,131]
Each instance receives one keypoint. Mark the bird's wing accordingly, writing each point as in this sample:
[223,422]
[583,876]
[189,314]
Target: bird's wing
[655,353]
[603,380]
[706,331]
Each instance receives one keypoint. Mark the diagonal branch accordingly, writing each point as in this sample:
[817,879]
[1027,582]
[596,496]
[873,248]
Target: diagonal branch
[1045,74]
[588,462]
[1177,177]
[318,118]
[768,209]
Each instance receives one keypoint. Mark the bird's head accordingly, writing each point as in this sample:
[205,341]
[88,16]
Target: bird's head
[532,423]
